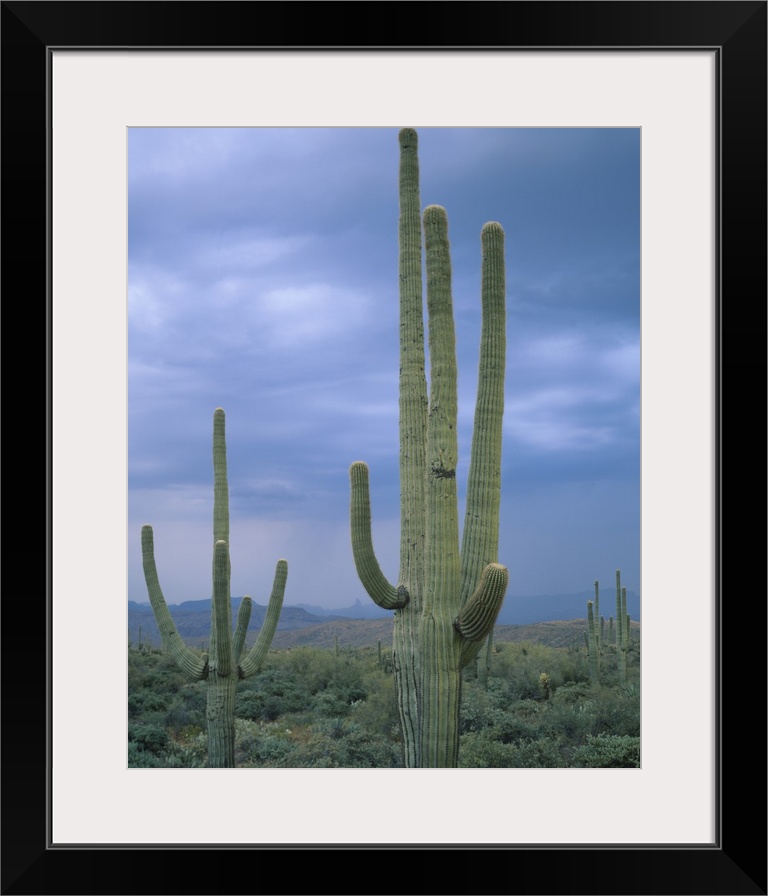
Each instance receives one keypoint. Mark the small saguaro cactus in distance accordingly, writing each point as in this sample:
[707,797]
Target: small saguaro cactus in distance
[624,636]
[592,648]
[447,599]
[484,669]
[622,629]
[597,614]
[223,665]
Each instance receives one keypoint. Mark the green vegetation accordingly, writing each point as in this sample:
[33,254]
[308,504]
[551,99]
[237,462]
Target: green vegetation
[224,664]
[446,600]
[312,708]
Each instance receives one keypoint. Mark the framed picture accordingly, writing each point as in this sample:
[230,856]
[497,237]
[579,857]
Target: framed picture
[692,78]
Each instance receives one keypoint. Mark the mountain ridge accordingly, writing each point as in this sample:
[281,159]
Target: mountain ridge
[193,617]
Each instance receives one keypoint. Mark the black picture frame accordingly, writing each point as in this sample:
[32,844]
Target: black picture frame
[736,863]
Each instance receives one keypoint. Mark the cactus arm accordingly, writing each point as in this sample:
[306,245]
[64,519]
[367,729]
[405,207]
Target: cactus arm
[373,580]
[241,627]
[220,486]
[193,666]
[478,616]
[221,613]
[442,443]
[220,514]
[257,654]
[480,538]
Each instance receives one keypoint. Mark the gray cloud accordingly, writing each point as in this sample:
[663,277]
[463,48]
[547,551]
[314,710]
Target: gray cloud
[263,279]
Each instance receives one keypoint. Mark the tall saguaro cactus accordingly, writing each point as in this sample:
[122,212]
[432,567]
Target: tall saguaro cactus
[223,665]
[447,598]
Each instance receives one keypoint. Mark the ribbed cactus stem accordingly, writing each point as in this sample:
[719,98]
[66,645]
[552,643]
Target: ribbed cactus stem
[477,618]
[625,615]
[187,660]
[220,653]
[220,483]
[241,627]
[442,444]
[387,596]
[256,656]
[480,537]
[413,406]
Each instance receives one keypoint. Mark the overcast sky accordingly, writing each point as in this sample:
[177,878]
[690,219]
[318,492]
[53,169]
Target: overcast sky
[263,279]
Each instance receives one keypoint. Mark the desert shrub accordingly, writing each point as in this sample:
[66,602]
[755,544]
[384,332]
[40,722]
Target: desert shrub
[260,745]
[142,702]
[377,712]
[572,693]
[478,750]
[331,703]
[138,758]
[272,693]
[148,738]
[571,722]
[187,709]
[341,743]
[316,670]
[520,666]
[608,751]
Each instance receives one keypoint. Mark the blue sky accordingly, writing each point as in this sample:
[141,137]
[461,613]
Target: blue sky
[263,279]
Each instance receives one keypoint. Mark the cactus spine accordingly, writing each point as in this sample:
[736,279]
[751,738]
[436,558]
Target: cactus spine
[223,665]
[447,599]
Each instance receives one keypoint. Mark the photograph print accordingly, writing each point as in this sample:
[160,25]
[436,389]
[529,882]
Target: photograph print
[384,447]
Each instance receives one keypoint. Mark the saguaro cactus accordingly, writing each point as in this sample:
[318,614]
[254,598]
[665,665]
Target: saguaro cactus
[597,614]
[223,665]
[447,599]
[484,668]
[592,648]
[622,629]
